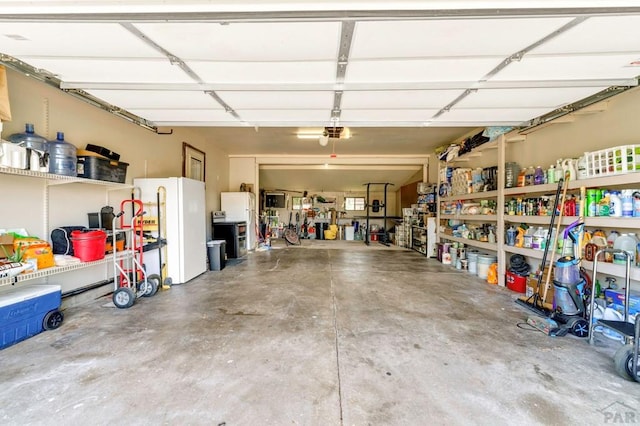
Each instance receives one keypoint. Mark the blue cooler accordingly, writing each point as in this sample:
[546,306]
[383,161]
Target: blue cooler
[28,310]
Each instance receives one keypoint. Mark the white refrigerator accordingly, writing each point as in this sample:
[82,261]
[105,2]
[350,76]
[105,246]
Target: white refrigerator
[241,207]
[186,226]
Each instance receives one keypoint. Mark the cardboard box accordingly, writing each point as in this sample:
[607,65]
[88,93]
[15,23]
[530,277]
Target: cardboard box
[532,287]
[615,298]
[6,241]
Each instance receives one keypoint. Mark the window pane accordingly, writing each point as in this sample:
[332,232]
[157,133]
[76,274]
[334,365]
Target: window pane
[354,203]
[296,203]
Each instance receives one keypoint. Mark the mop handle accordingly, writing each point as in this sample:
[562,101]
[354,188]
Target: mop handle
[550,230]
[555,240]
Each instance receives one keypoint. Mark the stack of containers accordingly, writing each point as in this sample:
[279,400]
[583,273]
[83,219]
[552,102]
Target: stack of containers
[31,150]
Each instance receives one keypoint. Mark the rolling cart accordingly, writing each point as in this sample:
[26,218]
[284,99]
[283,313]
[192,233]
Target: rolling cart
[130,278]
[626,357]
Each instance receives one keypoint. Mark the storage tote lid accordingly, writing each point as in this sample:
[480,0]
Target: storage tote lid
[27,292]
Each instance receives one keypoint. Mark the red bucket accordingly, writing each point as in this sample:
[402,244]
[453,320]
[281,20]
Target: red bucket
[516,282]
[89,246]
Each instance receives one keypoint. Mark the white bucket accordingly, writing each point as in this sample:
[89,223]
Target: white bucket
[484,261]
[349,233]
[472,258]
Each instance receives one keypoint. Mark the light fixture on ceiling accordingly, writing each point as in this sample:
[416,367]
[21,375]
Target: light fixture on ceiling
[327,133]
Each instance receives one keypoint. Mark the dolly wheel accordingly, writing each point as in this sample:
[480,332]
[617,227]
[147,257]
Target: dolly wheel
[123,298]
[52,320]
[580,328]
[153,282]
[623,361]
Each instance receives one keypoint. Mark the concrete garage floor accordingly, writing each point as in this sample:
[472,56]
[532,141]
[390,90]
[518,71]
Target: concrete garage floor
[352,335]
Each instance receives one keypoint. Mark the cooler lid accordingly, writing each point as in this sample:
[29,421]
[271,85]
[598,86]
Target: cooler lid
[26,292]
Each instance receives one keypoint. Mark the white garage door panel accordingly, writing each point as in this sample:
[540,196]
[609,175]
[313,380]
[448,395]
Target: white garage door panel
[265,72]
[526,98]
[420,70]
[247,41]
[597,34]
[72,40]
[463,37]
[277,99]
[575,67]
[118,71]
[142,99]
[404,99]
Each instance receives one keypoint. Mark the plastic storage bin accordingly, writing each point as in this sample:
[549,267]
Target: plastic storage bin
[613,161]
[92,167]
[28,310]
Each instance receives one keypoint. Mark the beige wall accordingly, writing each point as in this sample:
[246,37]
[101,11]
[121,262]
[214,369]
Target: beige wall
[148,154]
[619,124]
[242,170]
[23,203]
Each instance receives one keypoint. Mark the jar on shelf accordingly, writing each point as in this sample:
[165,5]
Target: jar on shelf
[511,172]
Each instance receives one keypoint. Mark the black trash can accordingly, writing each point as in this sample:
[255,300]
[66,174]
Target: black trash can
[216,253]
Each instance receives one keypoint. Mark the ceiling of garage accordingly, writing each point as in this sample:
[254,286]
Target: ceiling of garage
[253,73]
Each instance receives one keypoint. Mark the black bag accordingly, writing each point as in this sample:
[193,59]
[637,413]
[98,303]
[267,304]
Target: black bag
[61,239]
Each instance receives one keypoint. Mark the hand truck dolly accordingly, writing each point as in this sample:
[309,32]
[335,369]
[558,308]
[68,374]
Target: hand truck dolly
[130,277]
[625,360]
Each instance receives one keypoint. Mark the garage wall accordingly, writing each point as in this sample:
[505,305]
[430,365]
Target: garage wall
[242,170]
[148,155]
[618,124]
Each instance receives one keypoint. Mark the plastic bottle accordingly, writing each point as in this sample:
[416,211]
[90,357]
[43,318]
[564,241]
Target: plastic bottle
[528,238]
[615,204]
[522,179]
[528,177]
[62,157]
[491,238]
[538,176]
[538,239]
[627,202]
[628,243]
[559,171]
[511,236]
[581,167]
[636,204]
[551,174]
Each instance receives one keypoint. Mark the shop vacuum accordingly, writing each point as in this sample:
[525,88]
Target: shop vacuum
[570,287]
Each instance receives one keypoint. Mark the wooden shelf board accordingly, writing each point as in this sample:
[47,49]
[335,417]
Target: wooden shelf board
[466,241]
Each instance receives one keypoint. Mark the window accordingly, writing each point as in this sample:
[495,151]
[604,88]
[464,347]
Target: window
[296,203]
[354,203]
[301,203]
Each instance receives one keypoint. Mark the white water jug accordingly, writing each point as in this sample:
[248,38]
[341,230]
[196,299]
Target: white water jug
[569,168]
